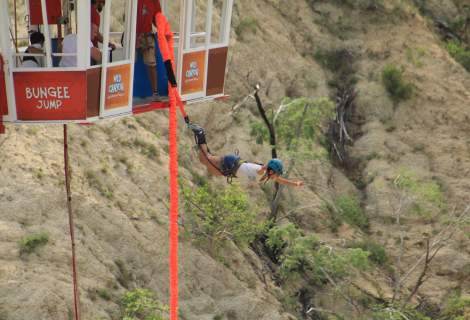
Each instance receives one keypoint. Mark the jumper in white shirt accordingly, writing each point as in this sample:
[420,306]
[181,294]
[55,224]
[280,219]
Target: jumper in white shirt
[69,45]
[249,170]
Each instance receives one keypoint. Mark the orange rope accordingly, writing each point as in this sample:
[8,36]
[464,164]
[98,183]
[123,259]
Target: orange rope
[173,127]
[165,43]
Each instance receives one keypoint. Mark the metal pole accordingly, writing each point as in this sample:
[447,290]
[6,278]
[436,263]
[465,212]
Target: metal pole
[76,301]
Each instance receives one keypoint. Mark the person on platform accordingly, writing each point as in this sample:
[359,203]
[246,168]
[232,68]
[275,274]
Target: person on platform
[36,40]
[96,9]
[145,37]
[69,47]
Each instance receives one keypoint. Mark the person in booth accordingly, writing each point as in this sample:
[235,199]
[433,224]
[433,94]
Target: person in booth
[95,10]
[36,40]
[145,40]
[69,46]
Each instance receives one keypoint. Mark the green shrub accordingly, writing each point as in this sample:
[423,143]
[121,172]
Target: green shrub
[335,220]
[427,196]
[140,304]
[259,132]
[222,214]
[363,4]
[397,88]
[104,294]
[146,148]
[397,313]
[457,308]
[460,53]
[377,255]
[318,112]
[95,182]
[299,254]
[350,211]
[29,243]
[415,56]
[279,237]
[247,25]
[306,145]
[341,63]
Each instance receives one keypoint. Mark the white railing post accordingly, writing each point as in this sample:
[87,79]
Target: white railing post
[181,42]
[132,39]
[104,55]
[226,21]
[83,33]
[9,62]
[47,35]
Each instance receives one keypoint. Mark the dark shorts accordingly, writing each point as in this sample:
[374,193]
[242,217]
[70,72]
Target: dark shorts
[230,164]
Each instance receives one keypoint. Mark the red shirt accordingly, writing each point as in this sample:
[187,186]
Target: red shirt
[146,10]
[95,16]
[96,20]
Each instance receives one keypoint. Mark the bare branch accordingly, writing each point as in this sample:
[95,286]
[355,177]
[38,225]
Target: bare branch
[324,311]
[280,109]
[442,237]
[338,289]
[421,277]
[241,103]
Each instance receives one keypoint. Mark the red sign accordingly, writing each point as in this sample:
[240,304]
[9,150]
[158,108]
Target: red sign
[3,91]
[53,8]
[216,71]
[50,95]
[194,64]
[117,86]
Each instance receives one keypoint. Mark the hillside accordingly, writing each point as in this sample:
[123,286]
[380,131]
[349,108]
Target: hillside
[405,179]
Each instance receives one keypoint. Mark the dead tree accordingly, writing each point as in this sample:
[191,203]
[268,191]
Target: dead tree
[433,246]
[338,129]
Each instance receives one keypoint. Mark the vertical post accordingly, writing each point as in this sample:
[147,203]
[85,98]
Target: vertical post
[47,35]
[76,301]
[210,4]
[226,21]
[127,29]
[104,55]
[129,41]
[132,32]
[223,18]
[16,28]
[208,37]
[83,33]
[164,7]
[188,9]
[193,22]
[9,60]
[181,43]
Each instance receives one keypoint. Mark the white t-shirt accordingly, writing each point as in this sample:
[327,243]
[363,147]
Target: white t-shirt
[32,63]
[249,170]
[69,45]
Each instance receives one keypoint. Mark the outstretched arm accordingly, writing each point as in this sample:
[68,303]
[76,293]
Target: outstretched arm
[287,182]
[279,179]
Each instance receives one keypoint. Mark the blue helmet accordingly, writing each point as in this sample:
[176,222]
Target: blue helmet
[275,165]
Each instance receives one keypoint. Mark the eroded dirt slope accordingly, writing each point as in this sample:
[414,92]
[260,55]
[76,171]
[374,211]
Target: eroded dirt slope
[120,173]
